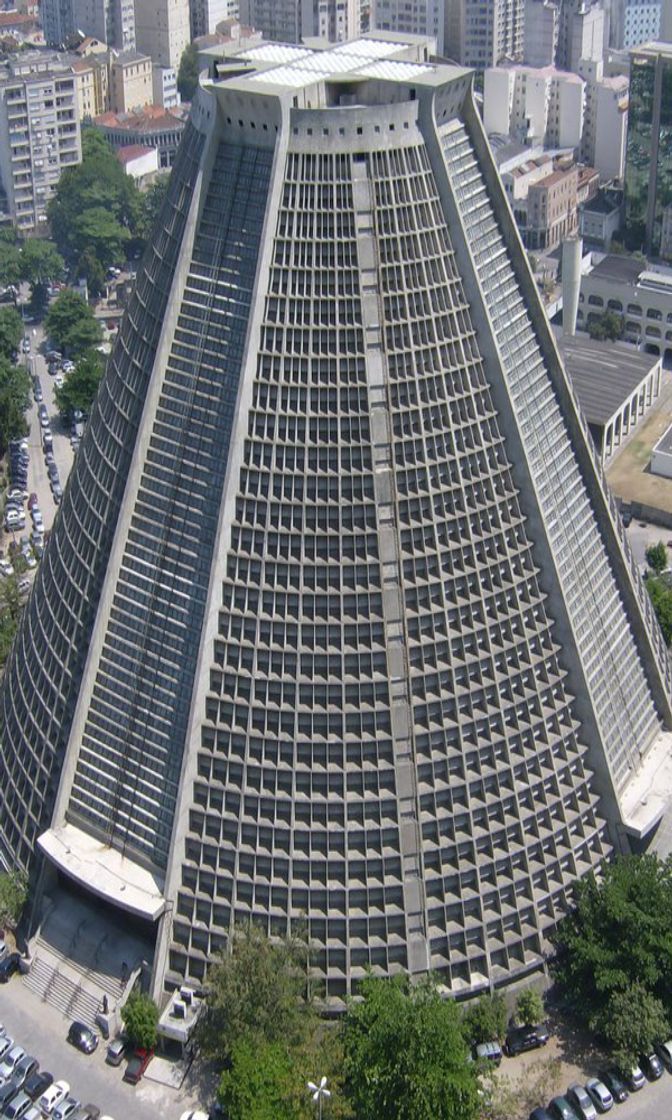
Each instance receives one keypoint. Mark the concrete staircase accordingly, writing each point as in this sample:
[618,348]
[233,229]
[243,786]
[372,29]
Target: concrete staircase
[49,980]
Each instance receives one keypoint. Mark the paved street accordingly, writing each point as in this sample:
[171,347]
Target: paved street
[42,1031]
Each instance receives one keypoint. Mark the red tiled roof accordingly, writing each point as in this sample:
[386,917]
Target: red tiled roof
[132,151]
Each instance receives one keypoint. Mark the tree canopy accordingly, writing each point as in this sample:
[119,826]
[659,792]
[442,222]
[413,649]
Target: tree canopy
[529,1007]
[96,207]
[187,74]
[661,598]
[40,261]
[485,1020]
[618,934]
[405,1055]
[10,613]
[607,327]
[13,898]
[72,325]
[656,557]
[634,1020]
[79,388]
[14,401]
[141,1017]
[11,331]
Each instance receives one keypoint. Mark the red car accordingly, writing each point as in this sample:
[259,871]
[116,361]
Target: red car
[32,501]
[137,1064]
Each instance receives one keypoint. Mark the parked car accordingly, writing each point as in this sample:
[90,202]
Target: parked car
[615,1084]
[57,491]
[116,1051]
[53,1096]
[520,1039]
[561,1109]
[599,1094]
[6,1042]
[10,1062]
[651,1065]
[540,1114]
[37,1083]
[87,1112]
[634,1079]
[664,1052]
[17,1107]
[137,1065]
[8,966]
[82,1037]
[66,1108]
[7,1094]
[489,1052]
[581,1102]
[24,1068]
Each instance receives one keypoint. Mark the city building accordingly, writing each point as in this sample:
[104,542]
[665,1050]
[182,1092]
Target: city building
[605,121]
[162,30]
[648,175]
[164,87]
[140,162]
[206,15]
[551,211]
[643,296]
[582,34]
[484,33]
[291,21]
[110,21]
[632,22]
[541,30]
[601,218]
[39,133]
[130,81]
[537,107]
[58,22]
[616,387]
[337,629]
[424,18]
[153,127]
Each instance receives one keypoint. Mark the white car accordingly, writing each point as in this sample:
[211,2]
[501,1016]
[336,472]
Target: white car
[67,367]
[6,1044]
[599,1094]
[9,1063]
[59,381]
[196,1114]
[53,1096]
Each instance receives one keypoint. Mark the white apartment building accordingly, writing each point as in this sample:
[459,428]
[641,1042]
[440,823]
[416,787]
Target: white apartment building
[582,34]
[605,122]
[556,109]
[290,21]
[39,133]
[164,87]
[534,106]
[207,14]
[162,30]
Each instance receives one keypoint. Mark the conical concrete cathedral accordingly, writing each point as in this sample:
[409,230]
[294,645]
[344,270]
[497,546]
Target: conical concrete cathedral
[337,624]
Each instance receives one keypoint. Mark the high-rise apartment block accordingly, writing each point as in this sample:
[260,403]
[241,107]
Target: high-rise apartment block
[337,625]
[633,22]
[110,21]
[427,17]
[484,33]
[39,133]
[207,14]
[534,106]
[542,27]
[291,21]
[162,30]
[648,183]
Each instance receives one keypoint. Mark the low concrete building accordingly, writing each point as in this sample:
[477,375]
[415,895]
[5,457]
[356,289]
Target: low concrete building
[139,161]
[600,219]
[153,127]
[661,456]
[641,294]
[615,384]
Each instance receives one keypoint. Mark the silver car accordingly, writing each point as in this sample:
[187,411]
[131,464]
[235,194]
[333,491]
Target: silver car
[581,1102]
[599,1094]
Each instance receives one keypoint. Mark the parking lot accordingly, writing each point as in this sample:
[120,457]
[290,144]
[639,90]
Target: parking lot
[42,1031]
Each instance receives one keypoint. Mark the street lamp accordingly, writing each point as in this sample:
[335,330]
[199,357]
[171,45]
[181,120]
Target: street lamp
[319,1093]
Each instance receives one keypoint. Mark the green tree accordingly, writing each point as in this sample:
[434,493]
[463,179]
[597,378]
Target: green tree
[14,401]
[13,898]
[71,324]
[94,201]
[485,1020]
[618,933]
[11,331]
[10,613]
[40,262]
[79,388]
[632,1022]
[10,266]
[405,1056]
[529,1007]
[141,1016]
[91,270]
[607,327]
[257,1085]
[257,990]
[187,75]
[661,598]
[656,557]
[152,201]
